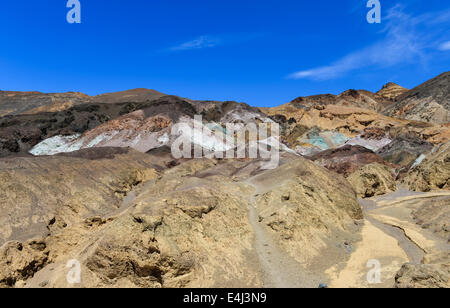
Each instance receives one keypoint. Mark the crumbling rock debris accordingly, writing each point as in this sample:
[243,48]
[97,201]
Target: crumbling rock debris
[373,180]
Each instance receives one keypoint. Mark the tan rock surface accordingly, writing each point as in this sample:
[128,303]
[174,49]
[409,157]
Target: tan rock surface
[373,180]
[433,173]
[13,103]
[436,275]
[352,121]
[304,206]
[130,225]
[392,91]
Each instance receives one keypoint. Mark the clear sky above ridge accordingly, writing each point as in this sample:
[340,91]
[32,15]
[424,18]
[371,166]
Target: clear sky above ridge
[263,52]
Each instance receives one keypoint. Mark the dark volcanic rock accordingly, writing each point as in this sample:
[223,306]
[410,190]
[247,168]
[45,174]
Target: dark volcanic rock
[19,133]
[315,100]
[227,111]
[18,139]
[374,133]
[405,149]
[347,159]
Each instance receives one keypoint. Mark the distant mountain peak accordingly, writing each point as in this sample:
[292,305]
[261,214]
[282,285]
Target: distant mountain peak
[390,85]
[135,95]
[392,91]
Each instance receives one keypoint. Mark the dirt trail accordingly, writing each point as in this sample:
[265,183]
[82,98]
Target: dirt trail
[381,240]
[414,252]
[390,236]
[278,269]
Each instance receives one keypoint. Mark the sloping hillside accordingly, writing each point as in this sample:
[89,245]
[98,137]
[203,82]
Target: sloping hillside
[429,102]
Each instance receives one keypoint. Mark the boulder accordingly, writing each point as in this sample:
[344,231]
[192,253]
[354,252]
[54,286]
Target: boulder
[434,272]
[373,180]
[433,173]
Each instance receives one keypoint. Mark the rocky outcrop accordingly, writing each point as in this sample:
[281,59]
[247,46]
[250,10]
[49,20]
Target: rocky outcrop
[373,180]
[392,91]
[18,140]
[350,98]
[298,203]
[364,99]
[140,125]
[19,133]
[405,149]
[36,190]
[44,197]
[180,231]
[347,159]
[350,122]
[429,102]
[434,216]
[20,261]
[433,173]
[433,273]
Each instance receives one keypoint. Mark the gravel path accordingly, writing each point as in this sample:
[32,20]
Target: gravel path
[279,269]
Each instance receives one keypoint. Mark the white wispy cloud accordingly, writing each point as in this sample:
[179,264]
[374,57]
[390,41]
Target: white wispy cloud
[407,39]
[211,41]
[201,42]
[445,46]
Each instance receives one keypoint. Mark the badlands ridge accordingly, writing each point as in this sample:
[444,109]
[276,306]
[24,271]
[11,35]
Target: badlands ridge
[363,177]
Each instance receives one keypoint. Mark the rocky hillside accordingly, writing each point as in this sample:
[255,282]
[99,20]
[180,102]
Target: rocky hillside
[13,103]
[392,91]
[143,125]
[135,95]
[432,173]
[350,98]
[94,179]
[429,102]
[182,227]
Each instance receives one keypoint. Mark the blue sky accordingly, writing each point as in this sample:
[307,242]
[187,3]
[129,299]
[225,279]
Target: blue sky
[263,52]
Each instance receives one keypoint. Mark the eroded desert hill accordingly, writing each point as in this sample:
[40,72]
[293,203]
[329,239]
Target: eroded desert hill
[93,179]
[392,91]
[14,103]
[429,102]
[131,221]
